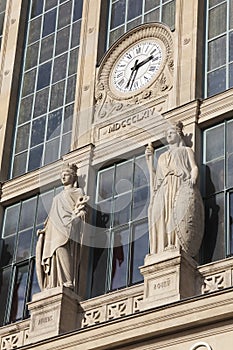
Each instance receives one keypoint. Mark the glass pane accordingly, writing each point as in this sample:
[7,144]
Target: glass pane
[134,9]
[73,63]
[105,184]
[66,143]
[141,173]
[57,95]
[24,245]
[115,34]
[4,292]
[22,138]
[78,5]
[54,124]
[34,32]
[70,89]
[19,294]
[41,102]
[151,4]
[229,137]
[35,158]
[120,259]
[75,39]
[216,81]
[230,170]
[140,247]
[231,46]
[37,7]
[32,56]
[44,205]
[51,151]
[44,75]
[133,24]
[214,2]
[49,22]
[50,4]
[214,239]
[20,164]
[217,20]
[124,177]
[11,220]
[68,118]
[231,75]
[118,13]
[62,41]
[229,149]
[231,14]
[152,16]
[34,285]
[2,15]
[231,222]
[214,177]
[27,215]
[140,203]
[59,68]
[217,53]
[122,209]
[99,272]
[29,82]
[38,131]
[168,14]
[2,5]
[8,250]
[214,139]
[64,14]
[25,109]
[46,51]
[103,215]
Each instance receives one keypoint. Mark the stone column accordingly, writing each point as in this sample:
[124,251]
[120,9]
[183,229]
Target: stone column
[168,277]
[53,312]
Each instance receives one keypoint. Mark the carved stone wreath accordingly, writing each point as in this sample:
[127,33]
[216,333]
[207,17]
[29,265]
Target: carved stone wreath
[107,100]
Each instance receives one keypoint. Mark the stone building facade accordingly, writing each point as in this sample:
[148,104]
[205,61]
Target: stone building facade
[62,99]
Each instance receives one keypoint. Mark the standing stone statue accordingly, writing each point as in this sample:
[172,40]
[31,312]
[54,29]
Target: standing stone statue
[59,241]
[176,214]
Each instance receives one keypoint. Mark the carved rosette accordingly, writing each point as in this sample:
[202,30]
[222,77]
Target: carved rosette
[109,101]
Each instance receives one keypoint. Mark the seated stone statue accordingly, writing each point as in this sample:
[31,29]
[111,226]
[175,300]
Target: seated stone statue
[57,247]
[176,215]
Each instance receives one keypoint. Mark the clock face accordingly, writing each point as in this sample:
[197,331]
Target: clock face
[137,67]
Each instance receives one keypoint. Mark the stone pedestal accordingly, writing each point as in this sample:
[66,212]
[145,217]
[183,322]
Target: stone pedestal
[168,277]
[53,311]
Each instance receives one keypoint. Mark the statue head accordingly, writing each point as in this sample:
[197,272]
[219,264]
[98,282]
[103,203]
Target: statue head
[69,174]
[175,134]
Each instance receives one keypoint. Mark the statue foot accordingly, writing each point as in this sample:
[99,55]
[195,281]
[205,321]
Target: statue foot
[68,285]
[170,247]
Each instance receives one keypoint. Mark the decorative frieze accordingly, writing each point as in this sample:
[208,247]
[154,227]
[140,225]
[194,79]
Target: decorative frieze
[213,283]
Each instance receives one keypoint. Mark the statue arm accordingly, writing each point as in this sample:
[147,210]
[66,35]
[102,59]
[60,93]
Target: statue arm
[149,153]
[194,168]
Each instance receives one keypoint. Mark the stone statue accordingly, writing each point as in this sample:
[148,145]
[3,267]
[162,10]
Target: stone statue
[176,214]
[59,241]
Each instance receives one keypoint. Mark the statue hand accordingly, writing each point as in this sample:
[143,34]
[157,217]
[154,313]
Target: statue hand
[40,232]
[149,151]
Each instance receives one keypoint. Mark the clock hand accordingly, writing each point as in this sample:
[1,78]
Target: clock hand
[133,78]
[140,64]
[132,72]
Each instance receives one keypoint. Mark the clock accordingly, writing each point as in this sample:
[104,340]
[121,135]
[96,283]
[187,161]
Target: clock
[137,66]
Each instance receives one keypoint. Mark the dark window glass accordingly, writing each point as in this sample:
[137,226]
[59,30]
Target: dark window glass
[35,158]
[19,293]
[151,4]
[65,144]
[216,81]
[54,124]
[134,9]
[47,48]
[50,4]
[44,75]
[124,179]
[25,109]
[140,203]
[24,245]
[41,103]
[73,61]
[22,138]
[29,82]
[57,95]
[27,214]
[8,250]
[44,205]
[75,38]
[2,15]
[120,259]
[51,151]
[70,90]
[11,220]
[217,20]
[115,34]
[217,53]
[140,248]
[20,162]
[134,23]
[32,56]
[37,7]
[2,5]
[49,22]
[62,42]
[4,292]
[59,68]
[78,5]
[118,13]
[64,17]
[214,143]
[231,222]
[231,46]
[68,119]
[152,16]
[35,29]
[38,131]
[168,14]
[122,209]
[105,184]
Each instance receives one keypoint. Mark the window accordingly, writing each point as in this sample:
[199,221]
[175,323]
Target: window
[218,170]
[127,14]
[2,17]
[219,46]
[17,255]
[46,101]
[121,237]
